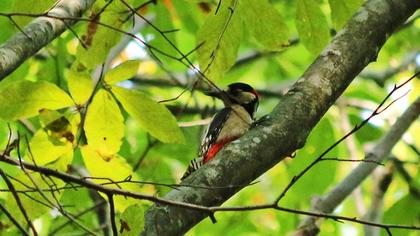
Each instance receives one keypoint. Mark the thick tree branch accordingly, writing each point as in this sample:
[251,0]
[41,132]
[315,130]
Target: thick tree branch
[291,120]
[118,191]
[381,151]
[39,33]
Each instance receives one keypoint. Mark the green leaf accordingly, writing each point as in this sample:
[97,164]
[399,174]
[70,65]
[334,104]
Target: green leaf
[80,200]
[98,39]
[132,220]
[342,10]
[365,90]
[114,169]
[220,39]
[30,200]
[17,75]
[104,124]
[369,132]
[163,21]
[188,14]
[7,27]
[25,98]
[322,175]
[80,85]
[269,29]
[4,133]
[30,7]
[123,71]
[312,25]
[155,118]
[406,211]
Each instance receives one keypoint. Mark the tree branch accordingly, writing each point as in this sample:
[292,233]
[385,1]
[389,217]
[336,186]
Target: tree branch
[18,202]
[39,33]
[381,77]
[381,151]
[118,191]
[291,120]
[382,178]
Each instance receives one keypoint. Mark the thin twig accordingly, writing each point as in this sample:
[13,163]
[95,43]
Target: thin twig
[42,194]
[60,227]
[13,220]
[351,160]
[106,190]
[19,28]
[112,214]
[18,201]
[376,112]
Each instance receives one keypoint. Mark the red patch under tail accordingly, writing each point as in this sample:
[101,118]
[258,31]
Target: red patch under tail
[216,148]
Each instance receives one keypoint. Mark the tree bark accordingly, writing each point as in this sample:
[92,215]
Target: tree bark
[37,34]
[289,124]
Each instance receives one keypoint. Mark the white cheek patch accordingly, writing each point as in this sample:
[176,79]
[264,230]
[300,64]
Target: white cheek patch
[246,97]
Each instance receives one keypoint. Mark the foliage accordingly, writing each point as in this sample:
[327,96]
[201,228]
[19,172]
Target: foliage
[115,127]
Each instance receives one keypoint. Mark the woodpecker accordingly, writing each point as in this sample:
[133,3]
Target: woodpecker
[233,121]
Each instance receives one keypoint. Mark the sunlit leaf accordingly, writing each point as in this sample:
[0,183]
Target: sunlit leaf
[124,71]
[312,25]
[108,172]
[57,126]
[104,124]
[80,85]
[99,39]
[220,39]
[342,10]
[45,152]
[25,98]
[155,118]
[42,152]
[132,220]
[269,28]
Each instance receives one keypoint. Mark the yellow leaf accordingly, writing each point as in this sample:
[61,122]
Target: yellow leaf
[80,85]
[113,170]
[25,99]
[45,152]
[104,124]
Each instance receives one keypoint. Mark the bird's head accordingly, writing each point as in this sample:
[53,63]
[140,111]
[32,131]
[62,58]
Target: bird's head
[238,93]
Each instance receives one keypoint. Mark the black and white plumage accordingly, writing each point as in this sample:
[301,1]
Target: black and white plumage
[229,124]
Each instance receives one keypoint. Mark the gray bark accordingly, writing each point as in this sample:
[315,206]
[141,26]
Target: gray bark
[41,31]
[290,122]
